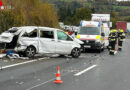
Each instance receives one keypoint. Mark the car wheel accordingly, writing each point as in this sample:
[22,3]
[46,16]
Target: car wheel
[30,51]
[75,53]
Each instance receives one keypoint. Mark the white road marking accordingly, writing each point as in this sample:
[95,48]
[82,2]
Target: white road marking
[45,82]
[85,70]
[13,65]
[40,84]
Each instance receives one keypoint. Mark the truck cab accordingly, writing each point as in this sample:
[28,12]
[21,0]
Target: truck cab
[92,34]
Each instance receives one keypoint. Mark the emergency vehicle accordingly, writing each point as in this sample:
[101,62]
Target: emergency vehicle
[94,35]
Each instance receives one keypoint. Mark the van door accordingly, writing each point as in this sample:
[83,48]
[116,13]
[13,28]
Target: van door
[28,39]
[46,41]
[64,43]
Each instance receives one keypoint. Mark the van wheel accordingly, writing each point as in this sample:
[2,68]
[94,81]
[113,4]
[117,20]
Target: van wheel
[30,51]
[75,53]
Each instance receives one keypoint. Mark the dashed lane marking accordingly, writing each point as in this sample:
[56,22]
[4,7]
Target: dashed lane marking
[85,70]
[13,65]
[40,84]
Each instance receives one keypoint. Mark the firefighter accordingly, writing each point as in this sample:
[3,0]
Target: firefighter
[109,38]
[112,38]
[121,36]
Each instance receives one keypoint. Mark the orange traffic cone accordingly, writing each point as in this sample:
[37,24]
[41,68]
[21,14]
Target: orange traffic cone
[58,76]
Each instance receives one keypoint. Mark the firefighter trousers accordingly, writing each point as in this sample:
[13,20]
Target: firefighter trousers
[120,45]
[112,50]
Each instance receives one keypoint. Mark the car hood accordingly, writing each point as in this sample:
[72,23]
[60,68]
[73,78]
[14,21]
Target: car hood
[78,41]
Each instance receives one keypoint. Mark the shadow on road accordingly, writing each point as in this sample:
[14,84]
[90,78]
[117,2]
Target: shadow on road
[92,51]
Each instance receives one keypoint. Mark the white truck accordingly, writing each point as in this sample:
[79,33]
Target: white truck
[100,17]
[94,35]
[128,26]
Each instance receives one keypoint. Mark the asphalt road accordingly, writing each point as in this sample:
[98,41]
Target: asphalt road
[91,71]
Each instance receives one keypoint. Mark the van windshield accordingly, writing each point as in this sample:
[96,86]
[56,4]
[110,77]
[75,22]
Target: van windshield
[89,30]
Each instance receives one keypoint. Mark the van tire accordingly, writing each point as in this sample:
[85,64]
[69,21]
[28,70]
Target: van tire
[75,53]
[30,51]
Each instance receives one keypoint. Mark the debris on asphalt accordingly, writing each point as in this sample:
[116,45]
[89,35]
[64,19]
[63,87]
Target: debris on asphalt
[2,55]
[16,56]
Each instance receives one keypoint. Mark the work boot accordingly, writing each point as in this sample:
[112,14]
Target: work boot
[111,53]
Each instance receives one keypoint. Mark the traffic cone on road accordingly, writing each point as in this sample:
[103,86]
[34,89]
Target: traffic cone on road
[58,76]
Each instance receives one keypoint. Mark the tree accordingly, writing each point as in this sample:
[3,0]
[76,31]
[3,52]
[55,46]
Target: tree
[28,12]
[127,19]
[114,18]
[9,19]
[81,14]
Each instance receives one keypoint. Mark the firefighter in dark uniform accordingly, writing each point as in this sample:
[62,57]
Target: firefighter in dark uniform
[121,36]
[109,38]
[113,39]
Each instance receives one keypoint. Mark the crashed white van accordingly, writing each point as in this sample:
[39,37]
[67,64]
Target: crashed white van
[30,40]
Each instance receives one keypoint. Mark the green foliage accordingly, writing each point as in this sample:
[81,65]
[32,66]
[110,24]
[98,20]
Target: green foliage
[8,19]
[127,19]
[28,12]
[74,18]
[114,18]
[81,14]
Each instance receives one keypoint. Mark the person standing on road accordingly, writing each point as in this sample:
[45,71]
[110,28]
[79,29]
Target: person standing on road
[121,36]
[113,39]
[109,38]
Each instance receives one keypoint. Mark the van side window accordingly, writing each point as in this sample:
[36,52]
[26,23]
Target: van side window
[31,34]
[47,34]
[63,36]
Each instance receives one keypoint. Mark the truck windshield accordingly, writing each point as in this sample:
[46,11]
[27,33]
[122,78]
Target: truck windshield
[89,30]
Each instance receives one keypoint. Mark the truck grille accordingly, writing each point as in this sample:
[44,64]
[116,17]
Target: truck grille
[92,41]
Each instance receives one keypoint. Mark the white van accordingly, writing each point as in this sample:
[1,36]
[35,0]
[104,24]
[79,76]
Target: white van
[93,34]
[30,40]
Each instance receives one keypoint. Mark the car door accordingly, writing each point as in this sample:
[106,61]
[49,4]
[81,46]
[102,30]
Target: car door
[46,41]
[64,43]
[28,39]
